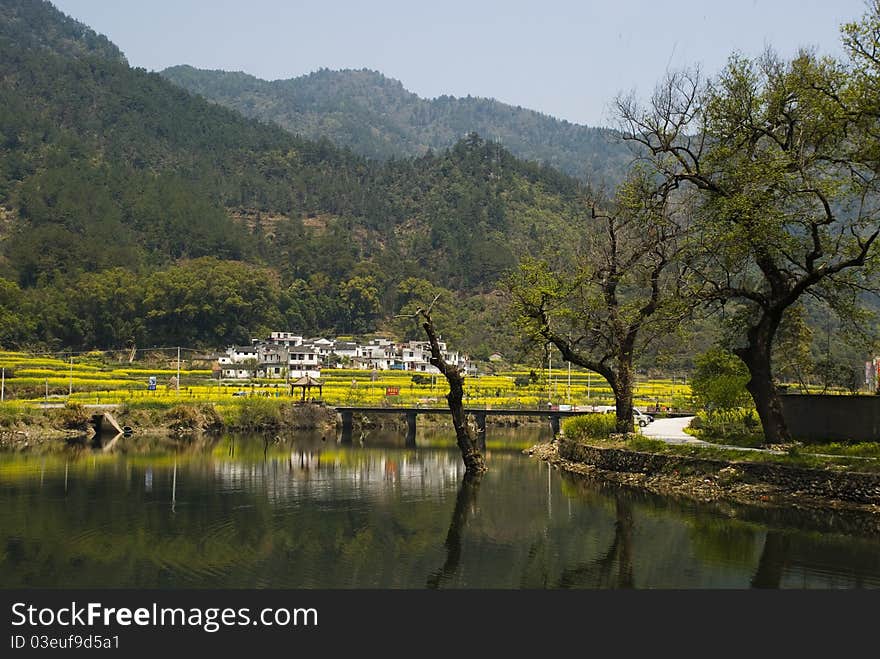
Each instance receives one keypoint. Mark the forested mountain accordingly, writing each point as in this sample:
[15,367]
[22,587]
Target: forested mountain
[133,211]
[376,117]
[57,34]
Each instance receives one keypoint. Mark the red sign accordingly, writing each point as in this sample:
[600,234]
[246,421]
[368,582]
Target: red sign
[392,391]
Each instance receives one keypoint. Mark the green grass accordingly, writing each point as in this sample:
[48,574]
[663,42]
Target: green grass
[590,425]
[861,449]
[794,458]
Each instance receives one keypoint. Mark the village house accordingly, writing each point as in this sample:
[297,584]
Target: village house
[286,339]
[305,360]
[378,354]
[346,351]
[290,356]
[236,363]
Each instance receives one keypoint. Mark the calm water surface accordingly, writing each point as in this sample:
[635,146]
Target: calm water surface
[308,513]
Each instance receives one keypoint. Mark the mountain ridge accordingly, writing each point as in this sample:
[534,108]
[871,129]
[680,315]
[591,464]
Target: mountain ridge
[61,33]
[376,116]
[121,191]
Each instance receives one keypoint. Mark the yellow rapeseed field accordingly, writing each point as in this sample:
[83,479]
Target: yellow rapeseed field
[37,379]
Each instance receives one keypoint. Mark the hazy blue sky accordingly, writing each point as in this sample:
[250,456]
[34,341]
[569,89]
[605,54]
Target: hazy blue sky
[568,59]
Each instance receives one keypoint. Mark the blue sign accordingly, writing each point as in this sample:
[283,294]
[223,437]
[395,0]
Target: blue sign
[151,384]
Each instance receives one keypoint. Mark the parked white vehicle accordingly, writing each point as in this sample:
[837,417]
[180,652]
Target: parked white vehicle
[639,417]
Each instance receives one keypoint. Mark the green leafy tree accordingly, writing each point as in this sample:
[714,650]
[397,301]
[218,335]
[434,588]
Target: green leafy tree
[360,299]
[784,204]
[16,323]
[718,384]
[111,304]
[210,302]
[411,294]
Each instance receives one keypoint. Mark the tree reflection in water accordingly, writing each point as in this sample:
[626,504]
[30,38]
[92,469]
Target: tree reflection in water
[600,573]
[464,503]
[772,562]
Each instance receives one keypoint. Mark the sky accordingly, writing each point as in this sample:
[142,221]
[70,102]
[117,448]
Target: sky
[568,59]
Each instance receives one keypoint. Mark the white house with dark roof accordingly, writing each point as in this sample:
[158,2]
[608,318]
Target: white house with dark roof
[346,349]
[379,354]
[304,360]
[322,345]
[289,355]
[232,363]
[286,339]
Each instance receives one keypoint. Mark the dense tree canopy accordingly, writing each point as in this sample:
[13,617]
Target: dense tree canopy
[776,159]
[105,167]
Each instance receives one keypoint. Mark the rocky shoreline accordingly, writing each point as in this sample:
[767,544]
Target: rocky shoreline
[57,429]
[707,483]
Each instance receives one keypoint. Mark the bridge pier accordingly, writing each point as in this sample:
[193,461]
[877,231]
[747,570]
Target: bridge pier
[347,425]
[411,429]
[480,419]
[554,424]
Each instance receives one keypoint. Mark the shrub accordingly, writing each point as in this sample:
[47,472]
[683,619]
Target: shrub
[192,417]
[75,417]
[597,426]
[719,381]
[255,413]
[13,413]
[739,427]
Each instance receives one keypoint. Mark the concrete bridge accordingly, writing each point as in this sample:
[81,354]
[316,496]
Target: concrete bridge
[554,416]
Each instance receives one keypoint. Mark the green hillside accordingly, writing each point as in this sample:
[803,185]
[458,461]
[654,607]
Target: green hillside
[133,211]
[375,116]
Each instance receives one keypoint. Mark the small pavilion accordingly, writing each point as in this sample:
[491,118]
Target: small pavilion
[307,383]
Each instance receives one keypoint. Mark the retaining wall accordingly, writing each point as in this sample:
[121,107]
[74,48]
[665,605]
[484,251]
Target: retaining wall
[847,486]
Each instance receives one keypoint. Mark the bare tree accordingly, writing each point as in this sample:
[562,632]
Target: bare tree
[474,461]
[627,289]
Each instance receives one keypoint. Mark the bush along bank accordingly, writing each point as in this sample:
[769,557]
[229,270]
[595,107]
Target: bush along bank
[710,479]
[25,428]
[250,414]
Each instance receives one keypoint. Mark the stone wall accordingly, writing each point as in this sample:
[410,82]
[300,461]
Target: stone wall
[856,487]
[828,418]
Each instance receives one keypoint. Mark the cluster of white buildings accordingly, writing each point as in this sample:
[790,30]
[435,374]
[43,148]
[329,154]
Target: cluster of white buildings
[287,355]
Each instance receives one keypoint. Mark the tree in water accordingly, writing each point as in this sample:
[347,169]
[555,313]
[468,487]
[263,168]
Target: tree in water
[771,565]
[599,573]
[474,461]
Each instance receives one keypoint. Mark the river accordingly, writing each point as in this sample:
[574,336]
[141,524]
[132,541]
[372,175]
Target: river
[307,512]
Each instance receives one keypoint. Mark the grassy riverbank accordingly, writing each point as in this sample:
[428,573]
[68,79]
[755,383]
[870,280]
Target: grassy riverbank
[23,427]
[792,477]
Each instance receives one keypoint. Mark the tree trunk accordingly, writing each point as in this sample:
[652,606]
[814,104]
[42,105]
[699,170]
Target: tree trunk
[470,453]
[623,395]
[473,459]
[760,385]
